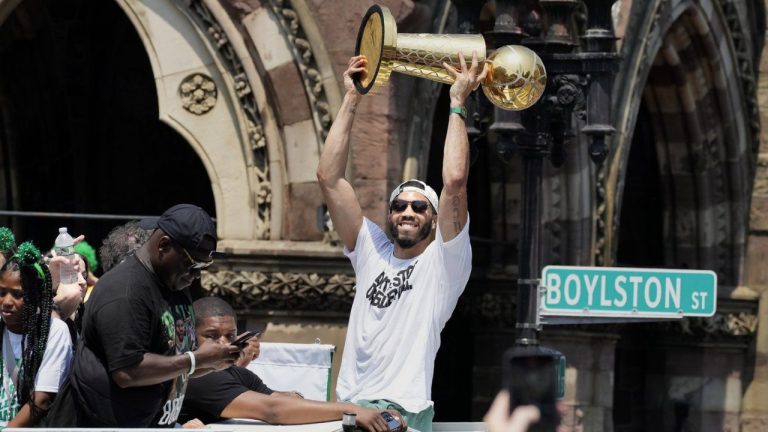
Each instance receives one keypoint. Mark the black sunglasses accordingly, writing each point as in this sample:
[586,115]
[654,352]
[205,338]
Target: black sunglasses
[399,205]
[194,265]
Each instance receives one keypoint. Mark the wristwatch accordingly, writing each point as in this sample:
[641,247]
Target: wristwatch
[460,110]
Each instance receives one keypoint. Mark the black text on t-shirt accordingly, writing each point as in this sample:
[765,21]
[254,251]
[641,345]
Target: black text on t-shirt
[384,290]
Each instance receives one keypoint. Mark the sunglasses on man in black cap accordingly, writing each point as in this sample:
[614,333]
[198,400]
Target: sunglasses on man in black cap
[195,265]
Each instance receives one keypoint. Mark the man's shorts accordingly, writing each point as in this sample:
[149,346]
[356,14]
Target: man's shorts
[421,421]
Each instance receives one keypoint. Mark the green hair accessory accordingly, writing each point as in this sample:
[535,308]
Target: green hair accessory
[7,239]
[39,270]
[87,251]
[28,254]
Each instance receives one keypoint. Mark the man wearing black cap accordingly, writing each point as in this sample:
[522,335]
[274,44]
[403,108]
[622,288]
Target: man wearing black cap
[409,276]
[130,368]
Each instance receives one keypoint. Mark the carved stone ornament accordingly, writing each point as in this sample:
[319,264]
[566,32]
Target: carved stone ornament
[198,93]
[741,44]
[569,91]
[301,49]
[734,324]
[281,291]
[202,17]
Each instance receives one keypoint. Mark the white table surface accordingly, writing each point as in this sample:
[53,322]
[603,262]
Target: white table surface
[248,424]
[241,425]
[244,424]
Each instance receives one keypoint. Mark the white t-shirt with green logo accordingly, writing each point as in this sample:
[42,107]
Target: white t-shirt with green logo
[54,367]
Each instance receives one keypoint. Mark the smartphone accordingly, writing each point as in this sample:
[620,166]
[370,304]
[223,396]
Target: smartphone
[531,377]
[393,424]
[242,341]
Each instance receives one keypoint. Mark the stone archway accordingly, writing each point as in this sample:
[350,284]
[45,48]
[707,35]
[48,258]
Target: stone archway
[215,126]
[284,90]
[80,130]
[686,101]
[704,165]
[700,117]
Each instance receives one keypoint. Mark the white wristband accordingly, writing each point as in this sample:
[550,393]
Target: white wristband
[191,362]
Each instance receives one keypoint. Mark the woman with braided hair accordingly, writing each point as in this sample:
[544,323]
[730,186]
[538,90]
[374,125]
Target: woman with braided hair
[36,348]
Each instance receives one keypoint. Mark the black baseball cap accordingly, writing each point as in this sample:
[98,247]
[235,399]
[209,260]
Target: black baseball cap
[188,225]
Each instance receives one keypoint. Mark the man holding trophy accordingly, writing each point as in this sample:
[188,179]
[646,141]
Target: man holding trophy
[410,275]
[407,284]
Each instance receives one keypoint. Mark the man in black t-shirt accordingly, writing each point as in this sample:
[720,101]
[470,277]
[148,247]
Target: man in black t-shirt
[130,368]
[238,393]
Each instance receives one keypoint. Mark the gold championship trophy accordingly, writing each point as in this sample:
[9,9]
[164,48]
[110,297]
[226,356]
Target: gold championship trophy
[516,75]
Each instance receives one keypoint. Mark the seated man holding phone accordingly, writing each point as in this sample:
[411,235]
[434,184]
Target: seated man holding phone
[237,392]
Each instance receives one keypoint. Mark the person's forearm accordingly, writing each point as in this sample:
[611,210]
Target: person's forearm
[23,418]
[302,411]
[284,410]
[26,417]
[455,153]
[452,216]
[152,369]
[68,298]
[333,160]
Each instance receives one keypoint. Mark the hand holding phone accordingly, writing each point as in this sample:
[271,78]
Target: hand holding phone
[531,375]
[242,341]
[393,424]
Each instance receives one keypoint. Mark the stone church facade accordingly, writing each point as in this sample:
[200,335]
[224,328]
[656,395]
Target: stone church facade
[229,102]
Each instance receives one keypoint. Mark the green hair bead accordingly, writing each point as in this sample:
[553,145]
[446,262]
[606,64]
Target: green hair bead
[7,239]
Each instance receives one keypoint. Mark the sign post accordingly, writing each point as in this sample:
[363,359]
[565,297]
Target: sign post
[616,292]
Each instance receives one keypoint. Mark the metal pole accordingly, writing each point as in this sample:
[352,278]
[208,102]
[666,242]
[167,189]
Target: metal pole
[532,150]
[39,214]
[512,134]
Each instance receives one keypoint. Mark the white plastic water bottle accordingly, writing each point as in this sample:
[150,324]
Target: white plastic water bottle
[65,246]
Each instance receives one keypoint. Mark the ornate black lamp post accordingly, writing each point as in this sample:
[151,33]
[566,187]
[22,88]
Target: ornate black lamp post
[576,42]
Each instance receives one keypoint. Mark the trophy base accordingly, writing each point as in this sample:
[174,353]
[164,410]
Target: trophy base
[377,34]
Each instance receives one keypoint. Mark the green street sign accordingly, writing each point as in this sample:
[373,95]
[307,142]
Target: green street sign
[627,292]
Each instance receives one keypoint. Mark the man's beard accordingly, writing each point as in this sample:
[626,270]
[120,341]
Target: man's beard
[406,242]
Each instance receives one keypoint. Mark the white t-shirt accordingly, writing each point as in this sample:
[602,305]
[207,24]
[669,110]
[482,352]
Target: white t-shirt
[399,310]
[53,370]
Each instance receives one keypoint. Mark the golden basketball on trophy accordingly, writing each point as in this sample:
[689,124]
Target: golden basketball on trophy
[516,75]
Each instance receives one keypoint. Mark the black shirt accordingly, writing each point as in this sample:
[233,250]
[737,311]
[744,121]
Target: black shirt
[129,314]
[208,395]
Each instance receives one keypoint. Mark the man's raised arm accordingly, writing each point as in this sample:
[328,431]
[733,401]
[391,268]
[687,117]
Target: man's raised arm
[346,214]
[453,199]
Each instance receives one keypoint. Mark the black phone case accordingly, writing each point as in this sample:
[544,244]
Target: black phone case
[243,340]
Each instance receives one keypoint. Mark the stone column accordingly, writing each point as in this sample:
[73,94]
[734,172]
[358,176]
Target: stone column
[754,416]
[590,359]
[754,411]
[694,387]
